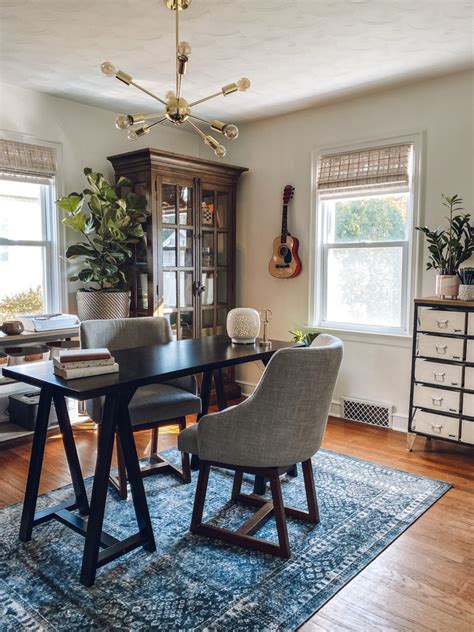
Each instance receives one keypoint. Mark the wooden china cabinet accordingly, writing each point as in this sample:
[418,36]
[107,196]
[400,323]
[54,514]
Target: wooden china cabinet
[185,270]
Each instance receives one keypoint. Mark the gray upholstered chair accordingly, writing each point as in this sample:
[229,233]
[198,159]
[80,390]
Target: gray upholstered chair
[281,423]
[153,406]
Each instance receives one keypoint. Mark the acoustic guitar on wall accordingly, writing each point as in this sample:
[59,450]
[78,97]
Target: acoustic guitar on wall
[285,263]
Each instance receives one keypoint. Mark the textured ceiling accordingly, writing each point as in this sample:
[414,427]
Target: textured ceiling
[295,52]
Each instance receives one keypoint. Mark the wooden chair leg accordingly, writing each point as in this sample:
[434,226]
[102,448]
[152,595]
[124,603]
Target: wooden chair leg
[236,487]
[200,497]
[310,491]
[154,441]
[186,467]
[280,515]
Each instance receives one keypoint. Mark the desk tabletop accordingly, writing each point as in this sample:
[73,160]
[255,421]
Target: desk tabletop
[148,365]
[37,336]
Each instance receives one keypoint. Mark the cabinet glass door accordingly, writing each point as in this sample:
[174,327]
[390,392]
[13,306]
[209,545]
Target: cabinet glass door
[177,230]
[215,260]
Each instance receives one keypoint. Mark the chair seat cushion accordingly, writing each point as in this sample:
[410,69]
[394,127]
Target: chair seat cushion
[155,402]
[188,440]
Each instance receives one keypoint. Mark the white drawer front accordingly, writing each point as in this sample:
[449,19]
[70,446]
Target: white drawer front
[469,378]
[435,425]
[468,405]
[436,399]
[467,431]
[440,347]
[437,373]
[470,351]
[470,324]
[445,322]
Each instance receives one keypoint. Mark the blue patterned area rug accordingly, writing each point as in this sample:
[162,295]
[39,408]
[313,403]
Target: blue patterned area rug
[192,583]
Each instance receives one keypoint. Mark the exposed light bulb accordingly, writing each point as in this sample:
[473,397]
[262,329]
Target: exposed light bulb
[132,135]
[220,151]
[243,84]
[123,121]
[184,49]
[170,95]
[231,131]
[108,68]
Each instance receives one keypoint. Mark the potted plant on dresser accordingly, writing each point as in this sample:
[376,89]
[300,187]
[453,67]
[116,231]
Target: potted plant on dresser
[449,248]
[110,225]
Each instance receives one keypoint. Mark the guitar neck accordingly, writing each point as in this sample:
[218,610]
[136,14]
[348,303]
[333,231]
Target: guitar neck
[284,223]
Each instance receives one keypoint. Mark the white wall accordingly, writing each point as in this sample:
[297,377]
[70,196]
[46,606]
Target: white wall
[278,152]
[87,135]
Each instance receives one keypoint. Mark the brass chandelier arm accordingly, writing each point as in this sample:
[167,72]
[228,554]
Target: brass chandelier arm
[147,117]
[150,94]
[196,128]
[157,122]
[211,96]
[198,118]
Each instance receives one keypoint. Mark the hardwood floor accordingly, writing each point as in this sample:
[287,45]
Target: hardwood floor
[423,581]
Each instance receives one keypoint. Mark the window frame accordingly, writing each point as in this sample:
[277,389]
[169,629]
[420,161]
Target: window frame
[54,234]
[319,248]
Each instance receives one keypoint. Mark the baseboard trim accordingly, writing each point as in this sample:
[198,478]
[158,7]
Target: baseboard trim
[399,422]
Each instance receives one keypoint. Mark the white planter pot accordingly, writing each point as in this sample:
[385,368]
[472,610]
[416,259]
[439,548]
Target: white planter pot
[466,292]
[447,285]
[243,325]
[102,305]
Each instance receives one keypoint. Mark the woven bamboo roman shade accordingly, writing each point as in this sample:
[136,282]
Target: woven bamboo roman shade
[376,168]
[23,161]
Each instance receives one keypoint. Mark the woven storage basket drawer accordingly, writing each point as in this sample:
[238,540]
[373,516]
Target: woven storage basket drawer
[435,425]
[467,431]
[438,373]
[444,322]
[439,347]
[436,399]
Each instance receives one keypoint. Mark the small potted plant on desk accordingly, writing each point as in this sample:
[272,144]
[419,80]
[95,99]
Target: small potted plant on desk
[448,249]
[110,227]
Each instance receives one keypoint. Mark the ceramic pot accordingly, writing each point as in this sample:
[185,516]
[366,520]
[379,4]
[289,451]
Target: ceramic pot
[12,327]
[102,305]
[243,325]
[447,285]
[466,292]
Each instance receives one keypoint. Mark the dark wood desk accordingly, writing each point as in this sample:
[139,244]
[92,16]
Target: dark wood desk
[138,367]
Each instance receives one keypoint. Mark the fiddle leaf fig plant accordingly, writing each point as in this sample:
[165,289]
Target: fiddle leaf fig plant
[449,248]
[109,224]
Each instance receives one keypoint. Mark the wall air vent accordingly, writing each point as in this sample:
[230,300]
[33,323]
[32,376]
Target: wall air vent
[367,412]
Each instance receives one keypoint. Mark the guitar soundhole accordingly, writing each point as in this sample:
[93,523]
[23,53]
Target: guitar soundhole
[283,251]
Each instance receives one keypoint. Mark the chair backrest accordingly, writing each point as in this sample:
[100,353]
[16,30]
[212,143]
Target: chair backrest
[125,333]
[292,400]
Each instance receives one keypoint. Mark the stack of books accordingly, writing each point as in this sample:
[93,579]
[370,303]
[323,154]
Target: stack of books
[76,363]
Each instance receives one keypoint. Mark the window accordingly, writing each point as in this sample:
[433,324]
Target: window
[29,275]
[365,228]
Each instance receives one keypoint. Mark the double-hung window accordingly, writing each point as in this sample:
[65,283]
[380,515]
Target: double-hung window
[365,228]
[29,256]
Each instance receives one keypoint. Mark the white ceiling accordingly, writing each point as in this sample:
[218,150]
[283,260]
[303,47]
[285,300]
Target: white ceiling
[295,52]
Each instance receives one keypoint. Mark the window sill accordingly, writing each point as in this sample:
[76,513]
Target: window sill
[367,337]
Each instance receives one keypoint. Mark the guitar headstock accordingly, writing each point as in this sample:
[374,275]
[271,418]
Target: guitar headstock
[288,193]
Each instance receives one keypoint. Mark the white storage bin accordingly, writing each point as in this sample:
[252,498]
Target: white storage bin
[468,405]
[438,373]
[442,321]
[441,347]
[435,425]
[467,431]
[469,378]
[436,398]
[470,351]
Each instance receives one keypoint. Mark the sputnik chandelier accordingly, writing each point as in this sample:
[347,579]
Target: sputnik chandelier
[177,109]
